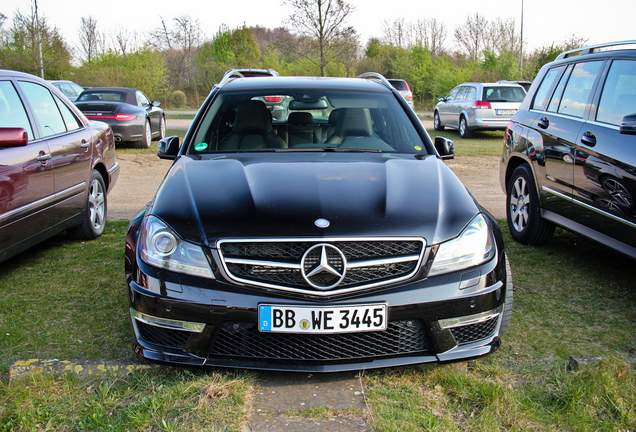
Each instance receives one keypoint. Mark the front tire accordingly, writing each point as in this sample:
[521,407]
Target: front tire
[437,123]
[523,211]
[162,128]
[464,131]
[94,217]
[145,142]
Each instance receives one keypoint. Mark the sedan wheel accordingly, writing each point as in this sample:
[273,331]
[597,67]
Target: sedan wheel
[147,139]
[437,123]
[94,218]
[464,132]
[162,128]
[522,209]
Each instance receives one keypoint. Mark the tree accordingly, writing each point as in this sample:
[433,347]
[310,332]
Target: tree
[30,45]
[89,38]
[322,23]
[471,35]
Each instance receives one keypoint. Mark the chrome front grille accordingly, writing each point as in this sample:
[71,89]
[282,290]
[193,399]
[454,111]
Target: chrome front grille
[322,266]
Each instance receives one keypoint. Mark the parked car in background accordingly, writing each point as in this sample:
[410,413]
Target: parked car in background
[570,151]
[129,112]
[404,89]
[56,167]
[478,106]
[525,84]
[276,104]
[68,88]
[312,245]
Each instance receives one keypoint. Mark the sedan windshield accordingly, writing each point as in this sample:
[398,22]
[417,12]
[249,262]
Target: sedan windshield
[306,120]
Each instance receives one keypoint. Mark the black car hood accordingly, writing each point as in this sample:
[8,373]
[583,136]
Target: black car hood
[282,195]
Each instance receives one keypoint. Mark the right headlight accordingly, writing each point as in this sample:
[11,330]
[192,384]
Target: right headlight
[160,247]
[474,246]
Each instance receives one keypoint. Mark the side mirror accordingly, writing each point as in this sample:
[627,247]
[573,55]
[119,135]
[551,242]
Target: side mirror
[628,125]
[168,148]
[445,147]
[13,137]
[155,103]
[442,99]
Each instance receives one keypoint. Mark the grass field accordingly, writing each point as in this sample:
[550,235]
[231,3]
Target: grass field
[66,299]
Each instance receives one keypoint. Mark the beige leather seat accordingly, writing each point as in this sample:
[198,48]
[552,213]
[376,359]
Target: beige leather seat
[252,129]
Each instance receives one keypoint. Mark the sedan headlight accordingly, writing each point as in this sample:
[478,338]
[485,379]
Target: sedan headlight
[475,245]
[160,247]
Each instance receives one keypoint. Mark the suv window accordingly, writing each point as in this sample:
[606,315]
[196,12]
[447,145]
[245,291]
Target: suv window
[578,89]
[619,93]
[542,95]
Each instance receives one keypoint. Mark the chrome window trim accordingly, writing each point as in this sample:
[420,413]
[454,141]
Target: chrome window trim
[589,207]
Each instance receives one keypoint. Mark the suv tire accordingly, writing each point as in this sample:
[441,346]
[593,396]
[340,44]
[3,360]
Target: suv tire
[522,209]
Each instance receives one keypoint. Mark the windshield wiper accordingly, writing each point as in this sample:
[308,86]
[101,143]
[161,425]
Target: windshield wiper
[328,149]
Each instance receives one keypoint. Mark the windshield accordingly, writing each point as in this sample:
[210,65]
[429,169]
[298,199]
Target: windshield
[306,120]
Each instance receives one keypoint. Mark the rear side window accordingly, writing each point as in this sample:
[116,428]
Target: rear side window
[578,89]
[542,95]
[619,93]
[12,112]
[45,109]
[504,94]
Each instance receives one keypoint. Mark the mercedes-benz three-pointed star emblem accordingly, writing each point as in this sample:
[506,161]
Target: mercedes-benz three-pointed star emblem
[323,266]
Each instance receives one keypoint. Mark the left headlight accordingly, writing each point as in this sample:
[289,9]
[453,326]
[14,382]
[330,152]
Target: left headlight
[160,247]
[474,246]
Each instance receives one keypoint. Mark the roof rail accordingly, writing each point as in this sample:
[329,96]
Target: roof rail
[230,75]
[609,46]
[376,76]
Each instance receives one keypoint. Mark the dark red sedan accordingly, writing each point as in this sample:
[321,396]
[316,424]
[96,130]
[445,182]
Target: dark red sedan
[56,166]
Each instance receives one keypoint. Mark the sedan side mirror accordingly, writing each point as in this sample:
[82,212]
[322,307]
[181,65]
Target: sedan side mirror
[168,148]
[13,137]
[628,125]
[155,103]
[445,147]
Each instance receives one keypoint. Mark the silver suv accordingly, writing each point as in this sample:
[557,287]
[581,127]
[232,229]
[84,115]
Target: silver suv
[478,106]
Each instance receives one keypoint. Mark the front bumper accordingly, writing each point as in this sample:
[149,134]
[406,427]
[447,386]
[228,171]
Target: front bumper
[445,318]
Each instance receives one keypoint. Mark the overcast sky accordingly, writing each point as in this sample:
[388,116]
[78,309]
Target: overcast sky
[545,21]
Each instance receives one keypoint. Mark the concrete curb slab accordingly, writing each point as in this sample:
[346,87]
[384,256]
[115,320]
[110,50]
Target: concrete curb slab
[85,368]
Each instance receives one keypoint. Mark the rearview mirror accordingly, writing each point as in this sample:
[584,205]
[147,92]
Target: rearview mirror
[445,147]
[628,125]
[13,137]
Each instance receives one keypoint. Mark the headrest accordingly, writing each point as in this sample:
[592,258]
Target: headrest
[252,116]
[300,118]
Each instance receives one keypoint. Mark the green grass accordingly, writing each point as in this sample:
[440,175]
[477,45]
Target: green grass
[127,148]
[67,299]
[487,143]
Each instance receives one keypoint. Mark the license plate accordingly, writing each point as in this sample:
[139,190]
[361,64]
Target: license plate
[506,112]
[322,319]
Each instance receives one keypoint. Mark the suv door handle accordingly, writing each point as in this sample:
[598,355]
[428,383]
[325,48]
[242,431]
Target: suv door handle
[544,123]
[589,139]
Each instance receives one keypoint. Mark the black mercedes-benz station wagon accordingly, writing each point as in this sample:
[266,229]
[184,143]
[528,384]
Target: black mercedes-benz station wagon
[333,239]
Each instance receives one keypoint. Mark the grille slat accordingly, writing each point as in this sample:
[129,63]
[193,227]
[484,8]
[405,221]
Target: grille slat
[474,332]
[396,260]
[243,340]
[168,338]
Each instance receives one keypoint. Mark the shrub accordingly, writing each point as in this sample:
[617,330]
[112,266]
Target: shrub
[178,99]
